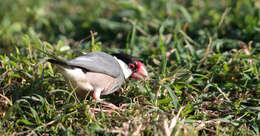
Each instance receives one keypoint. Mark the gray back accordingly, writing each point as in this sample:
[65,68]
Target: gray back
[98,62]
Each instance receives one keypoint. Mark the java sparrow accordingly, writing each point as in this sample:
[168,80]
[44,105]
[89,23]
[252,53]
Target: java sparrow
[100,72]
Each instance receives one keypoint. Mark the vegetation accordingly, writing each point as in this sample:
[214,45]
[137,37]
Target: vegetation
[203,58]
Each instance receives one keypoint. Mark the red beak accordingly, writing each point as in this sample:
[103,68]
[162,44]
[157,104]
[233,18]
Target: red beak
[141,71]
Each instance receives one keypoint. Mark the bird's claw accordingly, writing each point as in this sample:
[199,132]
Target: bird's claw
[122,106]
[114,107]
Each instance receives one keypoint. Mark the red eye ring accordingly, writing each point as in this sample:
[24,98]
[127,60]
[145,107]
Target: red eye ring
[139,64]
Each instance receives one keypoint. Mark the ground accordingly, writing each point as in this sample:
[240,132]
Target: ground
[203,59]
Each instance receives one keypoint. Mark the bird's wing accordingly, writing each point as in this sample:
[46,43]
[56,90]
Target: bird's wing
[99,62]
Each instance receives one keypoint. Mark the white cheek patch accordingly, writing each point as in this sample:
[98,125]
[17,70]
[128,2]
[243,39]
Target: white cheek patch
[126,70]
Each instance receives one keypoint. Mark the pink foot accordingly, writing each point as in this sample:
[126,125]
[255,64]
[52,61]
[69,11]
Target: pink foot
[114,107]
[96,96]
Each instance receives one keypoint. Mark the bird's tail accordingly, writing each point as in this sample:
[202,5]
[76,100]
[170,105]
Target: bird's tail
[58,62]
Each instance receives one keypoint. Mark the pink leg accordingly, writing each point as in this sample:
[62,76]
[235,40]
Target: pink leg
[96,96]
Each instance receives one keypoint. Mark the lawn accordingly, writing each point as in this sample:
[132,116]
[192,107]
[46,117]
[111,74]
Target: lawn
[203,59]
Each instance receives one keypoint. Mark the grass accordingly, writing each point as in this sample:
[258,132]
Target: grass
[203,59]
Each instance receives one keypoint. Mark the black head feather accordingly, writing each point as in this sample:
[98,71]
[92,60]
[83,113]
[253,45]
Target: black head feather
[128,59]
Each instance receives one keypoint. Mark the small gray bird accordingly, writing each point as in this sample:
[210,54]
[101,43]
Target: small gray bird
[100,72]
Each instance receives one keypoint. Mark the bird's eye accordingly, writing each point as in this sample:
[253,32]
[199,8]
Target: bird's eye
[131,66]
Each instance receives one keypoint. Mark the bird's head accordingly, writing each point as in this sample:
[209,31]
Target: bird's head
[131,67]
